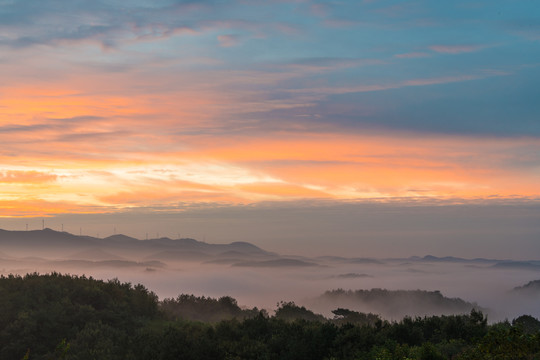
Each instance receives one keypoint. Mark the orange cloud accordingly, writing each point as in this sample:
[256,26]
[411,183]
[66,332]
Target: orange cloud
[167,193]
[280,191]
[33,208]
[27,177]
[76,145]
[237,170]
[356,166]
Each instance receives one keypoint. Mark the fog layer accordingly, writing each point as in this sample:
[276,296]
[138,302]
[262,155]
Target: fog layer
[259,278]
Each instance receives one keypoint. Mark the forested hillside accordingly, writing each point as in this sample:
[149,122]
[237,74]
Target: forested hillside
[395,304]
[69,317]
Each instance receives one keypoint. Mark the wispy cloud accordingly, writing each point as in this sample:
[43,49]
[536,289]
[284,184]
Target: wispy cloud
[412,55]
[398,85]
[229,40]
[108,24]
[329,63]
[33,177]
[526,27]
[289,167]
[456,49]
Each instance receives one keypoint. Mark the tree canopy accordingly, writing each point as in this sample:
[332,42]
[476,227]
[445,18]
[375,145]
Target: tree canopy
[58,316]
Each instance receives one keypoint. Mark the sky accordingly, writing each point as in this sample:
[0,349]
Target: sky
[204,118]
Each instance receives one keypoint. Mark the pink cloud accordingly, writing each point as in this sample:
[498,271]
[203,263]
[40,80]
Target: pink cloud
[228,40]
[456,49]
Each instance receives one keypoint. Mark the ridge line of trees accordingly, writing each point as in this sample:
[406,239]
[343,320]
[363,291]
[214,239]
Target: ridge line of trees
[57,316]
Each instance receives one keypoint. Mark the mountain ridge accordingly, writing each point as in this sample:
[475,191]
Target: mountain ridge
[60,243]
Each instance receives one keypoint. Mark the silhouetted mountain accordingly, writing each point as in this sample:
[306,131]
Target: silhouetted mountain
[276,263]
[352,276]
[120,238]
[333,258]
[48,237]
[176,255]
[528,265]
[356,260]
[532,287]
[445,258]
[364,261]
[54,244]
[431,258]
[411,259]
[108,263]
[244,246]
[224,261]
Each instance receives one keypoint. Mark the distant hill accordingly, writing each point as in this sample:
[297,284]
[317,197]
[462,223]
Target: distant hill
[452,259]
[525,265]
[178,255]
[276,263]
[364,261]
[356,260]
[352,276]
[394,304]
[51,244]
[80,264]
[532,287]
[413,259]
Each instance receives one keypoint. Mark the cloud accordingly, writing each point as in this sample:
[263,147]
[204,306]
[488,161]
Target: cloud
[412,55]
[114,25]
[42,208]
[398,85]
[456,49]
[329,63]
[77,119]
[281,190]
[92,136]
[26,177]
[162,94]
[250,169]
[28,23]
[526,27]
[25,128]
[228,40]
[151,197]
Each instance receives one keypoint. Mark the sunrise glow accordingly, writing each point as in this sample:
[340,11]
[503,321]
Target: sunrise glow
[169,105]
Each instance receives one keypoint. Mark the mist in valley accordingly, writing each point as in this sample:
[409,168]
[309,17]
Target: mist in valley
[256,278]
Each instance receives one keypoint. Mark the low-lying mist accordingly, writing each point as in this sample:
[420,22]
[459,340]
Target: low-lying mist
[264,287]
[260,279]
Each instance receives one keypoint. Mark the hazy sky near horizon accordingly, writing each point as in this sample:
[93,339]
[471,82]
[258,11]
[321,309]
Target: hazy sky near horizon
[497,230]
[156,107]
